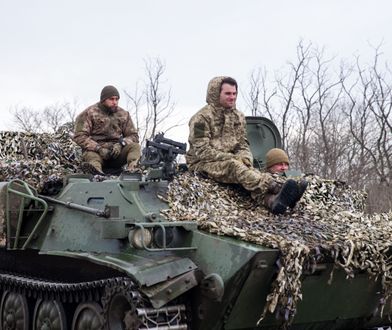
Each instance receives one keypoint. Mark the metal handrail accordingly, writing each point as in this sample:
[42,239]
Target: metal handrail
[29,195]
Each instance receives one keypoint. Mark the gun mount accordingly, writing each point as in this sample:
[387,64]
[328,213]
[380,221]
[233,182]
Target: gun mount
[160,155]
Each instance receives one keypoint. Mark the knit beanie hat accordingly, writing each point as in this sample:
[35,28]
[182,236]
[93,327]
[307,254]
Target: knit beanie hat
[109,91]
[276,156]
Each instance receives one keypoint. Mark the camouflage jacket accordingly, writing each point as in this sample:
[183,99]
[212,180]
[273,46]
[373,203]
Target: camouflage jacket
[98,126]
[215,133]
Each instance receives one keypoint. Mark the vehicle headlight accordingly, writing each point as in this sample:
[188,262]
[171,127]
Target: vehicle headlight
[137,236]
[159,235]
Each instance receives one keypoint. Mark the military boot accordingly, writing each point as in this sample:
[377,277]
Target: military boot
[94,168]
[302,185]
[288,195]
[132,167]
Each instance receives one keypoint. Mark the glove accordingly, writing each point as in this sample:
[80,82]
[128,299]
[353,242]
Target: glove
[116,150]
[104,153]
[274,187]
[247,162]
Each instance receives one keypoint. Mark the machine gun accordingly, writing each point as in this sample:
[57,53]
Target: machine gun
[160,155]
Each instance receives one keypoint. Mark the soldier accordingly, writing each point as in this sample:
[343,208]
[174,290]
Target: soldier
[277,161]
[107,135]
[219,148]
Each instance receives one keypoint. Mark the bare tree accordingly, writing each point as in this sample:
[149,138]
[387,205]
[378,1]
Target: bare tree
[27,119]
[336,124]
[50,118]
[370,119]
[258,97]
[54,115]
[277,102]
[329,132]
[153,108]
[300,142]
[135,105]
[158,101]
[288,84]
[71,110]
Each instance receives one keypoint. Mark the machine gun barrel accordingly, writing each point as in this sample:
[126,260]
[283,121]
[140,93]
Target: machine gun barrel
[159,138]
[167,147]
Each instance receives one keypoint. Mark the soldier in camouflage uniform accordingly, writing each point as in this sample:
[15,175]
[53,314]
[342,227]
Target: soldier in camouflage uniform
[277,161]
[107,135]
[219,148]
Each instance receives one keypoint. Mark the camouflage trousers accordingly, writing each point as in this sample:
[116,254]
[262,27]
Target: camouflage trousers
[129,155]
[234,171]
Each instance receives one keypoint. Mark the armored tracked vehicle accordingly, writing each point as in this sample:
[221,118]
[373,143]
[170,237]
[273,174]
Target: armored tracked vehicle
[99,255]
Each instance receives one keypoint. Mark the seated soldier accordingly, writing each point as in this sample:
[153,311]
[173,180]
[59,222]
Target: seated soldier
[219,148]
[277,161]
[107,135]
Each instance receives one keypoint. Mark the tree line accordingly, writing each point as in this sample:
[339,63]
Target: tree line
[334,123]
[335,120]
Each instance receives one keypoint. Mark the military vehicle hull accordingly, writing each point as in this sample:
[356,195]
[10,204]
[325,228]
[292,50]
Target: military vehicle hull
[100,255]
[71,262]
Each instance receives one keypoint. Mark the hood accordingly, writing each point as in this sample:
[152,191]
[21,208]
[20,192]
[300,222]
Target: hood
[213,91]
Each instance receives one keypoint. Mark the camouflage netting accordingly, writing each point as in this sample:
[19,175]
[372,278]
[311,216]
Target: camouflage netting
[42,160]
[328,224]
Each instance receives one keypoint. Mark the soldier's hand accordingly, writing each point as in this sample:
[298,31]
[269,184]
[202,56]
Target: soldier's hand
[116,150]
[247,162]
[274,187]
[104,153]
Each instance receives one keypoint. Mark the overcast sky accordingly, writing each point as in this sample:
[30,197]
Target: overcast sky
[55,51]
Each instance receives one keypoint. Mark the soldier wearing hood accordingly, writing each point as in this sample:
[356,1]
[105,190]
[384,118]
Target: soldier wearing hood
[219,148]
[107,135]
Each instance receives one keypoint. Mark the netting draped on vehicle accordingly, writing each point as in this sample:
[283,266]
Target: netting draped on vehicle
[42,160]
[327,225]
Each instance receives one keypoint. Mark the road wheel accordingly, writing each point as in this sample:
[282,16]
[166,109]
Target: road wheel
[88,316]
[49,315]
[120,305]
[14,312]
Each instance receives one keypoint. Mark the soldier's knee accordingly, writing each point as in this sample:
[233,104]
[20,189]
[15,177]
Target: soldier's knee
[132,148]
[137,149]
[91,156]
